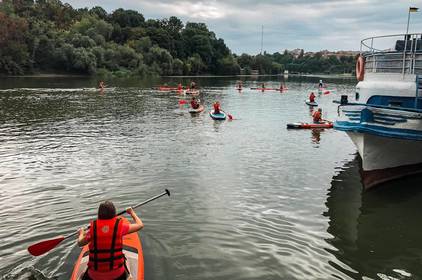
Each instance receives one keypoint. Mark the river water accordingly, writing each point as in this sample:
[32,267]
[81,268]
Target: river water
[249,198]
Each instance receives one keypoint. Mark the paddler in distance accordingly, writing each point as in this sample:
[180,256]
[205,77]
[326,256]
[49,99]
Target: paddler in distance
[321,84]
[193,103]
[312,97]
[217,107]
[317,116]
[105,239]
[101,86]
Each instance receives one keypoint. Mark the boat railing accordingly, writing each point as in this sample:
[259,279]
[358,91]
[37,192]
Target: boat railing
[401,53]
[411,110]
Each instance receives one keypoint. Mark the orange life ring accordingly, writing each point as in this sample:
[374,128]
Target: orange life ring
[360,68]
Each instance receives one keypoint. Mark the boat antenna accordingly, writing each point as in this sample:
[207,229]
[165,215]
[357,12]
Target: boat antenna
[262,38]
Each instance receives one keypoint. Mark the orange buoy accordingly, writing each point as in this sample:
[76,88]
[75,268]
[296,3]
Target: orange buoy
[360,68]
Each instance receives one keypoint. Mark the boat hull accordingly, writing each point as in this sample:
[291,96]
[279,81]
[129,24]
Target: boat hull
[388,140]
[385,159]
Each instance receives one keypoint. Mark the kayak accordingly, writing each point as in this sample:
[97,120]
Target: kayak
[221,116]
[195,111]
[311,103]
[132,249]
[192,92]
[167,88]
[310,125]
[276,89]
[265,89]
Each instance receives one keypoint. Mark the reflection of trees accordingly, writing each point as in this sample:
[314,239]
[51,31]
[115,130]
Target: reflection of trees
[378,231]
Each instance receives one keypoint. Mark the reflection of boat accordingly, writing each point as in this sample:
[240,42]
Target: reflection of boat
[386,126]
[374,234]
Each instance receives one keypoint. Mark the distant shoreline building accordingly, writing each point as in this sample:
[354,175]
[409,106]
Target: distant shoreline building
[296,53]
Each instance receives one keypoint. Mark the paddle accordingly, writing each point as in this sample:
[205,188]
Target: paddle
[46,245]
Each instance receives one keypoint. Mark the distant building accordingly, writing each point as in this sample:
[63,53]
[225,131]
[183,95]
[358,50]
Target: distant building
[296,52]
[324,53]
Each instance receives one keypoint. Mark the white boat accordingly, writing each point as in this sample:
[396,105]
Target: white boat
[385,119]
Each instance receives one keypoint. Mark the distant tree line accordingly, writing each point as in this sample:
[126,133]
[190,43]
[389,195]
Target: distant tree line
[47,35]
[307,64]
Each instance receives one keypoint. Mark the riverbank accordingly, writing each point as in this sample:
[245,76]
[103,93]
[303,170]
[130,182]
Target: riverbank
[54,75]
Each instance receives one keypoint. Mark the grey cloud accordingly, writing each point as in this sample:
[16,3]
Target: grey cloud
[308,24]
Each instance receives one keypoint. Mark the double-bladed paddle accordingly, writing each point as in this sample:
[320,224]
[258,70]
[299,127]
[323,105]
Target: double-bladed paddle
[44,246]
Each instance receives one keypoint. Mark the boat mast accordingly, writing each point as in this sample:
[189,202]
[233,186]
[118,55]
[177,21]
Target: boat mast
[262,38]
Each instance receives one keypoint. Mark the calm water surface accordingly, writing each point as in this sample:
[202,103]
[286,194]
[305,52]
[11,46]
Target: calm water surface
[250,199]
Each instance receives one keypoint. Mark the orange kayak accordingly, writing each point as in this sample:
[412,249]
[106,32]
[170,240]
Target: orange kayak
[132,248]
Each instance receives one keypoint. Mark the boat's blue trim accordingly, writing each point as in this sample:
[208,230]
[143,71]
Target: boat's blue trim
[404,102]
[407,134]
[378,106]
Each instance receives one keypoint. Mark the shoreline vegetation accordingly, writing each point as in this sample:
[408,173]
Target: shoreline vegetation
[54,75]
[47,36]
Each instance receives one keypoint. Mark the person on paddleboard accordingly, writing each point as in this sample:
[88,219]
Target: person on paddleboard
[321,84]
[194,104]
[217,107]
[317,116]
[312,97]
[105,239]
[239,85]
[101,86]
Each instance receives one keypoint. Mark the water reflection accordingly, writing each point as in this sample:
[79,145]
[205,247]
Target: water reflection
[376,233]
[311,110]
[316,135]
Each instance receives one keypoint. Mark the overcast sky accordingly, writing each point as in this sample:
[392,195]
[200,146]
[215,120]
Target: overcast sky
[309,24]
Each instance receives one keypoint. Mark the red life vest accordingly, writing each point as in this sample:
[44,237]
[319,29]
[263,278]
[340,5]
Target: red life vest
[216,108]
[194,104]
[106,245]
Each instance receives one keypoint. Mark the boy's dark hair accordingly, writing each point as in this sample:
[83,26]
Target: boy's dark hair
[106,210]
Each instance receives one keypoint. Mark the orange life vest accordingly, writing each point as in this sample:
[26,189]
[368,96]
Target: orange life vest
[106,245]
[317,116]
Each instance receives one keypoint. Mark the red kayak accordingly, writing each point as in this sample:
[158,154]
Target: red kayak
[310,125]
[164,88]
[276,89]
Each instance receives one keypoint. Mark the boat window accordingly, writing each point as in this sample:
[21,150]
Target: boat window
[395,103]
